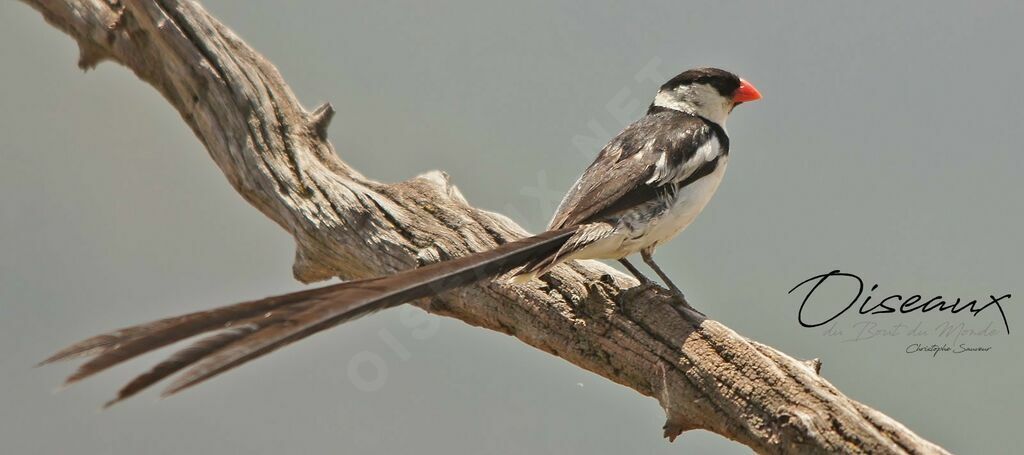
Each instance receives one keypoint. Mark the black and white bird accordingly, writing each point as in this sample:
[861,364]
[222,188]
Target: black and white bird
[647,185]
[653,179]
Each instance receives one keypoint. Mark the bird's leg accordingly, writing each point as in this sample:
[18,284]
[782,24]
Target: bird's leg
[649,259]
[639,276]
[648,255]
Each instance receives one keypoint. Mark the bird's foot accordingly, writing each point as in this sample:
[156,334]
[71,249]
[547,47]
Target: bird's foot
[681,303]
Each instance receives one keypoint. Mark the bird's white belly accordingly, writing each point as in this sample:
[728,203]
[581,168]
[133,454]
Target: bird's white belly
[630,237]
[690,201]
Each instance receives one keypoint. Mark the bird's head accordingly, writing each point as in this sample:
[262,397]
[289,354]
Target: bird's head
[708,92]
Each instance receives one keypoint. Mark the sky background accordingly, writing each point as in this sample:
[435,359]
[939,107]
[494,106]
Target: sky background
[887,145]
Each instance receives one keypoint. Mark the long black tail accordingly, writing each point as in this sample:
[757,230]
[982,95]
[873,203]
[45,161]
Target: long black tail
[249,330]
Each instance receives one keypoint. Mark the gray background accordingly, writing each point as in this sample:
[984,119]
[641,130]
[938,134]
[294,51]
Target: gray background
[887,144]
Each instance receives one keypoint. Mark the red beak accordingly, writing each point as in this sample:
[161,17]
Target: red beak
[746,92]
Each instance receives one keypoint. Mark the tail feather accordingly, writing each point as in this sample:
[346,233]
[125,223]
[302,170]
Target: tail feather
[200,349]
[252,329]
[169,330]
[582,237]
[267,340]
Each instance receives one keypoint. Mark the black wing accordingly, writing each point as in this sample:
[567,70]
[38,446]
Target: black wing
[627,172]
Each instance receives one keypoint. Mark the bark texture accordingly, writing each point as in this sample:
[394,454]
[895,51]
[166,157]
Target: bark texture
[276,155]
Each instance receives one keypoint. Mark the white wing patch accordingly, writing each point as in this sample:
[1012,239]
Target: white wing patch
[664,174]
[709,151]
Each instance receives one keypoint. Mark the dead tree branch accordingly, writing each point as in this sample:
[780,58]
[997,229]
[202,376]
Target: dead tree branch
[276,155]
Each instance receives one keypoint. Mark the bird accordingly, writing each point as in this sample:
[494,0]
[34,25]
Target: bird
[643,188]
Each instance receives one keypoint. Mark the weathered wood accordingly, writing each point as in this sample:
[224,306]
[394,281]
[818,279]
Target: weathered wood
[276,156]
